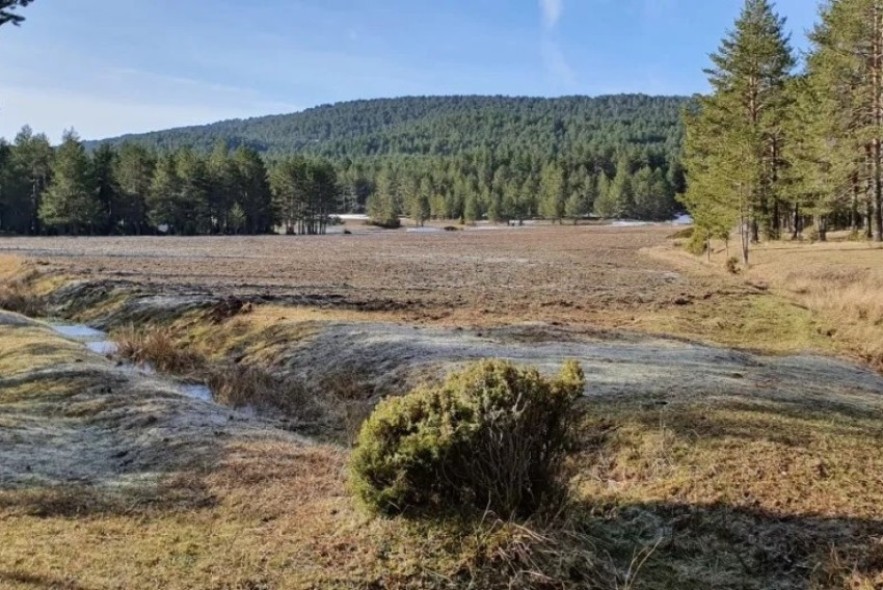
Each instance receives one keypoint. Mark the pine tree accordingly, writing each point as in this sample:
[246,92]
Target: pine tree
[164,199]
[7,11]
[383,208]
[223,185]
[133,174]
[252,191]
[471,209]
[846,69]
[420,207]
[818,180]
[735,143]
[552,192]
[193,213]
[103,178]
[289,184]
[70,203]
[618,200]
[324,196]
[32,157]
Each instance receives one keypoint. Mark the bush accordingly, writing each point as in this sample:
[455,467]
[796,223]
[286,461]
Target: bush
[492,437]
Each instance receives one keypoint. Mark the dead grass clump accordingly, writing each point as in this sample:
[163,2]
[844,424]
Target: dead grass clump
[542,554]
[242,387]
[17,297]
[157,347]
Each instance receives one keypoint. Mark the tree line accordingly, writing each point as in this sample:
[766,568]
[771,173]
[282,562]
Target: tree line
[474,188]
[132,190]
[778,150]
[471,157]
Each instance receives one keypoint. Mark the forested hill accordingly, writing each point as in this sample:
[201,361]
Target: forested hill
[466,158]
[446,126]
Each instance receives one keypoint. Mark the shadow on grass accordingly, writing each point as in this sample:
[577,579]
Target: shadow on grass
[38,581]
[724,547]
[789,423]
[173,493]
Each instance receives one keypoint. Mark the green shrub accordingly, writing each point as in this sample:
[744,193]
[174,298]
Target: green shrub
[493,437]
[698,244]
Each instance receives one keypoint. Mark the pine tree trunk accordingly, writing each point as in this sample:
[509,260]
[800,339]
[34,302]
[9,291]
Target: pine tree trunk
[878,194]
[854,214]
[877,77]
[747,226]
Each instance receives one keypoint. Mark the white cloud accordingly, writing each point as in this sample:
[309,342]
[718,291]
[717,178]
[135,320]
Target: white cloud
[552,11]
[560,72]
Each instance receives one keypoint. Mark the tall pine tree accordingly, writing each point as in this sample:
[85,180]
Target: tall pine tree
[846,70]
[735,143]
[70,203]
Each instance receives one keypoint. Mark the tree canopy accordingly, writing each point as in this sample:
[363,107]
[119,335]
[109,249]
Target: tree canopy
[8,11]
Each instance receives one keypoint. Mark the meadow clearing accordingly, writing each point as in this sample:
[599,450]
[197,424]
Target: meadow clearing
[732,430]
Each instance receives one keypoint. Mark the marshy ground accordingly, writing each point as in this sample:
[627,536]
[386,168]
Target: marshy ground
[733,436]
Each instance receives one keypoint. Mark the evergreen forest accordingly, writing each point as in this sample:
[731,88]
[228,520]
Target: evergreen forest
[460,158]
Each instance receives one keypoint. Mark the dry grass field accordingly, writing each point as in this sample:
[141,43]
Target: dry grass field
[539,273]
[733,435]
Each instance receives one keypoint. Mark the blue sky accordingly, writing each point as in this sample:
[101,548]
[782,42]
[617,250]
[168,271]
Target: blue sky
[108,67]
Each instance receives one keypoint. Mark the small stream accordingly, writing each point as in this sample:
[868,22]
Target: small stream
[98,342]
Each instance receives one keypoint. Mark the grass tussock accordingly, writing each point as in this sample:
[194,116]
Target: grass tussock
[552,553]
[18,296]
[158,348]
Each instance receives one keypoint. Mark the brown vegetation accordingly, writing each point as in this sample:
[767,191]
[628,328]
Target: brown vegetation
[17,293]
[156,347]
[758,477]
[473,277]
[836,285]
